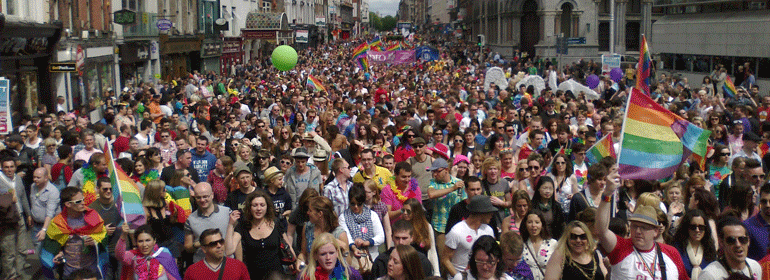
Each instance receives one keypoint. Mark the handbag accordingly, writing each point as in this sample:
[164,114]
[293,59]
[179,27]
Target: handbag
[363,263]
[287,254]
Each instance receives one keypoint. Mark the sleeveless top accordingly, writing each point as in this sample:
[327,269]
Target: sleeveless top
[583,271]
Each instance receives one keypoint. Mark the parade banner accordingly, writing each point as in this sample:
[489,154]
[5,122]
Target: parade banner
[5,112]
[390,57]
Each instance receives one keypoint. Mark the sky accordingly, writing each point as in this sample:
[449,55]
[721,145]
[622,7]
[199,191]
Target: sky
[384,7]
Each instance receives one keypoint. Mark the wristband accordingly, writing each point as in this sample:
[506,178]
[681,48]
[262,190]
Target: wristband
[606,198]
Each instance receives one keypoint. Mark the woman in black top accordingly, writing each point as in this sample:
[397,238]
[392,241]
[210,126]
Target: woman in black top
[161,216]
[257,239]
[576,255]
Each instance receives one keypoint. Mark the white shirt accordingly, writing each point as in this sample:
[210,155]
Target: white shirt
[715,271]
[461,238]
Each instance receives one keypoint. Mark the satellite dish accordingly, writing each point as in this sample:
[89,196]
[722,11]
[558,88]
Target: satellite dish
[220,21]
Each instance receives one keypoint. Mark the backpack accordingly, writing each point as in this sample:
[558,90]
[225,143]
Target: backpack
[9,213]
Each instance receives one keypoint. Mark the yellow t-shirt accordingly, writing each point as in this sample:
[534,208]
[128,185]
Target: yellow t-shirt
[382,177]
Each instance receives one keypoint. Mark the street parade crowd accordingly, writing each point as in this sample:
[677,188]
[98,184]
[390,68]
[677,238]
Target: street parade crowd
[424,170]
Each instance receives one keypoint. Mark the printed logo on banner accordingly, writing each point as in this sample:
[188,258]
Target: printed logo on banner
[5,113]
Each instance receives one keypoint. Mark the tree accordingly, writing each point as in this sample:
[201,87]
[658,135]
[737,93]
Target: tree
[388,23]
[374,20]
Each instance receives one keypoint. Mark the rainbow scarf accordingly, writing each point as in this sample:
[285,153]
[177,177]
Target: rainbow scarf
[338,273]
[59,232]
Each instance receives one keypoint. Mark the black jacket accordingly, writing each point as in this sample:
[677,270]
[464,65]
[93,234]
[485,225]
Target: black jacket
[380,265]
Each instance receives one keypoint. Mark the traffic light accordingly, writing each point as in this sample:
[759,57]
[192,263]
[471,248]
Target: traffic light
[481,39]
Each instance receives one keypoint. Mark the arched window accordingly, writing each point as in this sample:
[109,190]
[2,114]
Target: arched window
[566,19]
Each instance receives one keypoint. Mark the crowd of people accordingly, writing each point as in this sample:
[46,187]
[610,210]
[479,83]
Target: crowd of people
[411,171]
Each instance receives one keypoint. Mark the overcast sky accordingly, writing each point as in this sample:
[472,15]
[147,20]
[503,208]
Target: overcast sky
[384,7]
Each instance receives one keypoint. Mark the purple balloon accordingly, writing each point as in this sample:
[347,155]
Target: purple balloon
[592,81]
[616,74]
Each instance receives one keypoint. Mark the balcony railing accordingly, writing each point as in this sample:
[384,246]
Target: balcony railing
[145,25]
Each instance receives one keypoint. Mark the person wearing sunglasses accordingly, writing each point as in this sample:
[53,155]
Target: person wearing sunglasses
[576,255]
[637,256]
[734,242]
[147,258]
[215,263]
[75,238]
[694,242]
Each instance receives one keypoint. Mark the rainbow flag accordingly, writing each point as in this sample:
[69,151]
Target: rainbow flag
[59,232]
[603,148]
[376,44]
[394,47]
[361,50]
[363,63]
[655,141]
[314,83]
[729,88]
[181,196]
[643,68]
[127,195]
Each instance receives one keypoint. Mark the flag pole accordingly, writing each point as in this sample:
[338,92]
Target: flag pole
[623,129]
[114,172]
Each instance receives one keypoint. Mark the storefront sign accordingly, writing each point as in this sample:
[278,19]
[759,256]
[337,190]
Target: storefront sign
[211,49]
[231,45]
[80,57]
[302,36]
[164,24]
[62,67]
[125,17]
[133,52]
[320,21]
[180,46]
[258,34]
[5,112]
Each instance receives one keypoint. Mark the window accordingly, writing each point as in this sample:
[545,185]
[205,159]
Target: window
[764,68]
[566,19]
[265,6]
[604,36]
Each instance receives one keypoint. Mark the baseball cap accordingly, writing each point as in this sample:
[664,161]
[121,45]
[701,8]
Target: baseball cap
[438,164]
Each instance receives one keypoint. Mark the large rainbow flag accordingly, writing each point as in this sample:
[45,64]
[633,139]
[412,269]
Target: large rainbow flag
[643,67]
[314,83]
[376,44]
[729,88]
[603,148]
[127,195]
[363,62]
[656,141]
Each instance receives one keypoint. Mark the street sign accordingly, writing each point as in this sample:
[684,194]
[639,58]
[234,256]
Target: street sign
[125,17]
[610,61]
[561,45]
[576,40]
[164,24]
[63,67]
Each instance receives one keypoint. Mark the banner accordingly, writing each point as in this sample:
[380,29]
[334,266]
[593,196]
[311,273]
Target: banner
[426,53]
[5,112]
[390,57]
[302,36]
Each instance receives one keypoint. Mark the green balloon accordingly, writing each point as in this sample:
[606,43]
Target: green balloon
[284,58]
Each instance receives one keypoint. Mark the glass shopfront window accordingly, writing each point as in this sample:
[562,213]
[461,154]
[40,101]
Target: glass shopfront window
[97,81]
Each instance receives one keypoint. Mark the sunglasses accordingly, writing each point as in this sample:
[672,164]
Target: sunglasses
[758,177]
[106,189]
[353,204]
[412,135]
[286,162]
[697,227]
[76,202]
[576,237]
[527,116]
[522,169]
[459,141]
[419,146]
[561,163]
[723,154]
[215,243]
[533,167]
[731,240]
[406,211]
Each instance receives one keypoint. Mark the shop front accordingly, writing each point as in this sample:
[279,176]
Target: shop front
[263,32]
[93,83]
[135,62]
[211,51]
[26,50]
[232,53]
[179,56]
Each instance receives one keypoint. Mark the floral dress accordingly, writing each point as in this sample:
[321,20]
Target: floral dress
[537,258]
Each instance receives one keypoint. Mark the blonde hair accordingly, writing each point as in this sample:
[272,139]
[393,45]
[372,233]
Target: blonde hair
[563,244]
[489,163]
[649,199]
[153,194]
[321,240]
[371,185]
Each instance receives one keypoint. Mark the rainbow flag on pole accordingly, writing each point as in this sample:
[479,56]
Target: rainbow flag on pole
[376,44]
[314,83]
[363,63]
[127,195]
[361,49]
[655,141]
[643,67]
[603,148]
[729,88]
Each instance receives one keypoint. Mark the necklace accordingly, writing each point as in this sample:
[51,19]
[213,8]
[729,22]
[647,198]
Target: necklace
[102,206]
[580,268]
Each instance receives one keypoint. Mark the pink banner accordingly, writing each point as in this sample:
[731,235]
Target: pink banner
[390,57]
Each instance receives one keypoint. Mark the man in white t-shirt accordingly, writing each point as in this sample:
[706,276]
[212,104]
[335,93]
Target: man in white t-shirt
[638,257]
[734,242]
[461,237]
